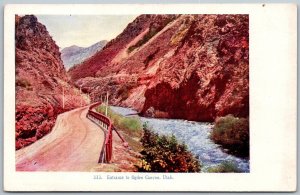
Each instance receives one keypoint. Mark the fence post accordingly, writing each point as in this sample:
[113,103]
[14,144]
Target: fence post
[106,103]
[80,97]
[63,98]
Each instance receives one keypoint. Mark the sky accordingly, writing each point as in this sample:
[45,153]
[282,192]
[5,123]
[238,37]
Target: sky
[83,30]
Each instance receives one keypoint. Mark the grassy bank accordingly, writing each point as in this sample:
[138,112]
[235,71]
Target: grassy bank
[225,167]
[233,134]
[131,125]
[131,128]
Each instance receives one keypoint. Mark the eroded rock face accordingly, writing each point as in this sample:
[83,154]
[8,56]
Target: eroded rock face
[194,67]
[41,81]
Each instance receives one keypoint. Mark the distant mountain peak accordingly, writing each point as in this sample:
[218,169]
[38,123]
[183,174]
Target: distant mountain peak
[74,54]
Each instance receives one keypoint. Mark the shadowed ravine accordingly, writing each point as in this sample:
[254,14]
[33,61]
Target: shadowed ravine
[195,135]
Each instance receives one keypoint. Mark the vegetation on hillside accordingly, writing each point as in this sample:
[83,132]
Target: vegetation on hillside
[153,30]
[32,123]
[145,39]
[125,89]
[22,82]
[233,134]
[165,154]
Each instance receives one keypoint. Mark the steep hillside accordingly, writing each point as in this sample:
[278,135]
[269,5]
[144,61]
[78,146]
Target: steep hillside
[132,33]
[194,67]
[75,55]
[42,85]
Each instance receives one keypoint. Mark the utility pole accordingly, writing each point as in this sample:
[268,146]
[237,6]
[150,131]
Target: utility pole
[80,97]
[63,98]
[106,104]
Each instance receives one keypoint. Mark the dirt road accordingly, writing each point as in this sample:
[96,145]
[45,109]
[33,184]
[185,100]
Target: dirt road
[74,144]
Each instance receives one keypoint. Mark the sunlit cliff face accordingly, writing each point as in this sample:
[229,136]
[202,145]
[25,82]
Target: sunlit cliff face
[194,67]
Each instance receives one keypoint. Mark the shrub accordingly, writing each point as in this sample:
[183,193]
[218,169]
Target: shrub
[232,133]
[165,154]
[225,167]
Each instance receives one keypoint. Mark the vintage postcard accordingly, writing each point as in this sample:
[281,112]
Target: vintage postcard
[193,97]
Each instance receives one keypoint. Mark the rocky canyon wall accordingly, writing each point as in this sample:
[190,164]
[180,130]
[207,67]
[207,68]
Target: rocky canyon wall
[193,67]
[41,82]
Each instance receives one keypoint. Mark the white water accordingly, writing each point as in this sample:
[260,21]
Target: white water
[195,135]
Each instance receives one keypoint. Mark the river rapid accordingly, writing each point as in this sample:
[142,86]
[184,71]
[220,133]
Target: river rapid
[195,135]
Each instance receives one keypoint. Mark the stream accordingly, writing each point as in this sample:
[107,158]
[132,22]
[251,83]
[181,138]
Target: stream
[195,135]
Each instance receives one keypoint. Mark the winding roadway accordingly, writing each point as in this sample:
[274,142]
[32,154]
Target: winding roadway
[74,144]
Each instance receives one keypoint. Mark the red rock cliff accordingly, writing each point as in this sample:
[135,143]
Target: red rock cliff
[40,81]
[194,67]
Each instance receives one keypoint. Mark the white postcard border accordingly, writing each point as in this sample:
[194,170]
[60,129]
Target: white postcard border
[273,104]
